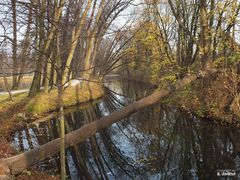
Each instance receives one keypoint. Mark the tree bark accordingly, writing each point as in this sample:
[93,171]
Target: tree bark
[205,36]
[61,111]
[14,45]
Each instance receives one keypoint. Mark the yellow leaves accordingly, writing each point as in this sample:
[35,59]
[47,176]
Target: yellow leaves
[146,51]
[132,64]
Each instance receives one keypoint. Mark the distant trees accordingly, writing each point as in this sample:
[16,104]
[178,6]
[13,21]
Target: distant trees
[6,85]
[25,46]
[146,54]
[44,39]
[187,17]
[15,38]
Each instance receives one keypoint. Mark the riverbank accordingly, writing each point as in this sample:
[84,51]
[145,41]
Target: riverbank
[215,97]
[25,110]
[201,91]
[28,109]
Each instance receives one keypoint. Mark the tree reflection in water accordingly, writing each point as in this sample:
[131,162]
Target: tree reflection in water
[158,142]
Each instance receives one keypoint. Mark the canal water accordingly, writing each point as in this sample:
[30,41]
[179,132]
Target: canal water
[158,142]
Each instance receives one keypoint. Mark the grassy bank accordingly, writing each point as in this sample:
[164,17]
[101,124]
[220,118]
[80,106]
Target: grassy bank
[46,102]
[24,109]
[214,97]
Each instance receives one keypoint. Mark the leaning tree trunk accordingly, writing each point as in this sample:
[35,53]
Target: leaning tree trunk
[25,160]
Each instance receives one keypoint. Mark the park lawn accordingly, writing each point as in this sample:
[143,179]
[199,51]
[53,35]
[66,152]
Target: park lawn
[25,79]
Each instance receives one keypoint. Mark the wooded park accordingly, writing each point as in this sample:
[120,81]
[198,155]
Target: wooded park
[119,89]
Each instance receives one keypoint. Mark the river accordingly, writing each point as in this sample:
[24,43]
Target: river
[159,142]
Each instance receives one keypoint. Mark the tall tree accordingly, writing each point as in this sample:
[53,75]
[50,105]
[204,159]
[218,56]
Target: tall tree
[14,44]
[205,35]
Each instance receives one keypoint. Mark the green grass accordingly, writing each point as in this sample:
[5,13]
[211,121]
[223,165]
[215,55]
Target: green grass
[5,101]
[47,102]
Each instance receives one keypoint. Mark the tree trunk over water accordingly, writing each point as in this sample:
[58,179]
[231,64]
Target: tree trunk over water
[25,160]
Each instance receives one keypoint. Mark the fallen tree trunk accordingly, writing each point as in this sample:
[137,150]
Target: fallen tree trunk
[20,162]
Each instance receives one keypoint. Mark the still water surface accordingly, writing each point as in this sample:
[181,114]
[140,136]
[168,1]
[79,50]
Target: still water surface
[158,142]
